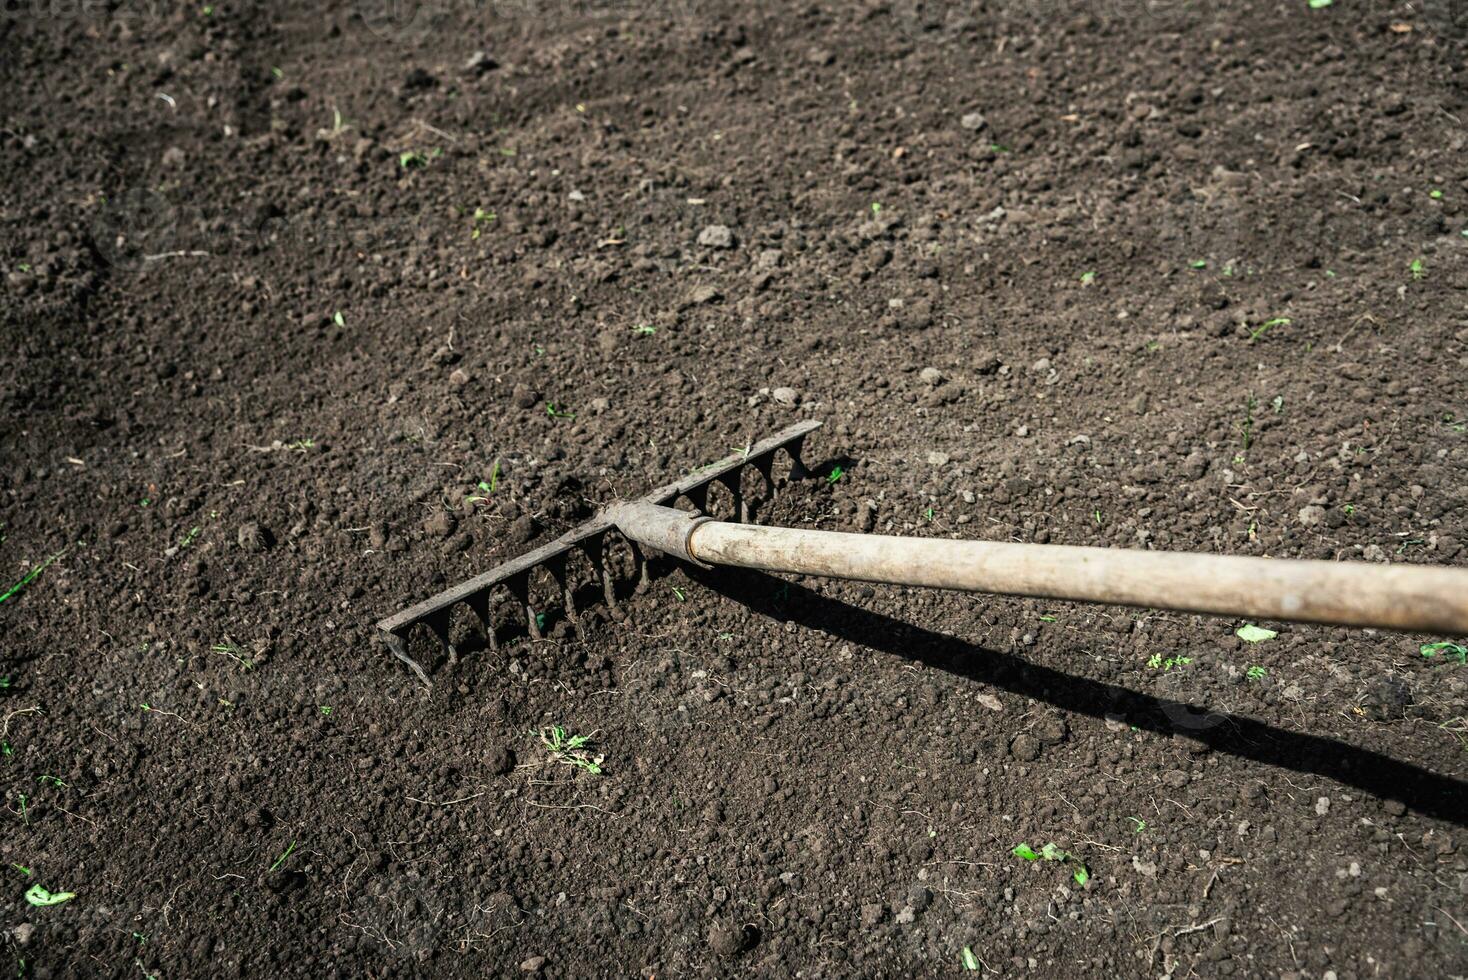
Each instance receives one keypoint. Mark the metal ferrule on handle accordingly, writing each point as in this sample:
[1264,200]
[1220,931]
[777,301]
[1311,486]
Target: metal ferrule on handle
[1398,597]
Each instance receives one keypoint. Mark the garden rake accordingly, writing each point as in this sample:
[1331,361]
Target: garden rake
[1397,597]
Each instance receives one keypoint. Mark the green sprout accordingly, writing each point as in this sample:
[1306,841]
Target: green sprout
[1087,278]
[555,413]
[682,596]
[569,749]
[1320,4]
[1435,194]
[1266,326]
[30,576]
[338,319]
[1156,662]
[281,860]
[233,652]
[1418,270]
[1199,264]
[645,329]
[835,475]
[486,487]
[22,869]
[409,159]
[1047,618]
[25,816]
[324,708]
[47,780]
[876,207]
[1051,852]
[1450,650]
[40,897]
[481,217]
[1139,825]
[1255,673]
[970,961]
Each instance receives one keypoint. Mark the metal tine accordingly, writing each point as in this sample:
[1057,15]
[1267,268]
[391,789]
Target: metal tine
[560,571]
[481,603]
[399,648]
[699,497]
[438,624]
[598,556]
[765,464]
[519,587]
[644,574]
[732,483]
[797,465]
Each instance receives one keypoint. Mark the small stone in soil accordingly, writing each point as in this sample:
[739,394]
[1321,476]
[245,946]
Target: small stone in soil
[786,396]
[716,236]
[973,121]
[931,376]
[1025,747]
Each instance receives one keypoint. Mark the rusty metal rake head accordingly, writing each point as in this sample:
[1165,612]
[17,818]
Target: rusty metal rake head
[592,540]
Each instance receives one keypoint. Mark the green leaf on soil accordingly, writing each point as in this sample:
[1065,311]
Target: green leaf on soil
[30,576]
[970,961]
[39,896]
[1052,853]
[1452,650]
[1250,633]
[1026,852]
[338,319]
[1082,875]
[1320,4]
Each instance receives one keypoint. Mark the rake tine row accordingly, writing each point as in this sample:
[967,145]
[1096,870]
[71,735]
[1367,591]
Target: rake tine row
[592,540]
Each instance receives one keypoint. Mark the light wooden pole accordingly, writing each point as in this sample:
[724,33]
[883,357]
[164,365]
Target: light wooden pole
[1399,597]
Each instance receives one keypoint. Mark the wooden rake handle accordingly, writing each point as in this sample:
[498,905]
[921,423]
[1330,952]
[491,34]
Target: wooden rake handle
[1411,598]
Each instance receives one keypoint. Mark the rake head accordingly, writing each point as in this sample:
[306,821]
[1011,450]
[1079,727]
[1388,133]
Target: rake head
[591,540]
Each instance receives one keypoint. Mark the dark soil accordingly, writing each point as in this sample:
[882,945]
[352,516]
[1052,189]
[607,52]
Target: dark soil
[282,285]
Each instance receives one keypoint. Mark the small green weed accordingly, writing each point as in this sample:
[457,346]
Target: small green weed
[1087,278]
[486,487]
[1157,663]
[1138,825]
[282,859]
[556,413]
[645,329]
[835,475]
[569,749]
[30,576]
[1450,651]
[1418,270]
[38,896]
[1050,852]
[970,961]
[1255,673]
[1266,326]
[481,218]
[410,159]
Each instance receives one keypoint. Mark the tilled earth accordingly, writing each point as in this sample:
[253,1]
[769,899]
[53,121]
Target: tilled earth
[309,313]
